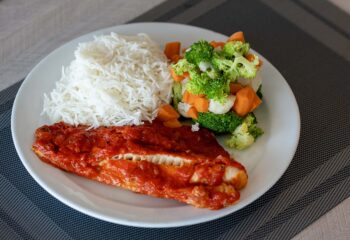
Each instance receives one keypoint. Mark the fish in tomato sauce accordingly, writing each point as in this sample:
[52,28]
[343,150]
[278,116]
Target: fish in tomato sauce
[151,159]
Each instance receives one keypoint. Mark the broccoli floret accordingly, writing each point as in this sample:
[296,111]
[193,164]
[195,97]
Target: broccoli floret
[220,123]
[250,119]
[197,82]
[240,138]
[202,83]
[177,93]
[212,73]
[182,66]
[244,68]
[225,65]
[217,89]
[245,134]
[235,49]
[259,92]
[200,51]
[232,69]
[253,129]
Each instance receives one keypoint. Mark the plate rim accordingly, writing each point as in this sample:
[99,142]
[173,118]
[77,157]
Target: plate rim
[126,222]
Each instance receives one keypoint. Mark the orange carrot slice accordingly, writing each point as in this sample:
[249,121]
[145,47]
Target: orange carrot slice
[250,57]
[173,123]
[201,104]
[177,78]
[186,75]
[244,101]
[256,102]
[175,58]
[217,44]
[193,113]
[186,96]
[237,36]
[235,87]
[167,112]
[190,98]
[171,49]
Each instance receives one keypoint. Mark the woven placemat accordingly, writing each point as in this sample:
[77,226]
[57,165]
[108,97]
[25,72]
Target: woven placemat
[317,180]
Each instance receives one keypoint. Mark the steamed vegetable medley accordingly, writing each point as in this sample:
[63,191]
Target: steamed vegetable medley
[217,84]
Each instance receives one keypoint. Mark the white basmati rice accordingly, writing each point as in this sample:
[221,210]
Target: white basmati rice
[114,80]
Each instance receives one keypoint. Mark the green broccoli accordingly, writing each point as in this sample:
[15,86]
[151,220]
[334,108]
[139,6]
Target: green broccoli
[212,73]
[217,89]
[197,82]
[245,134]
[202,83]
[235,49]
[244,68]
[225,65]
[220,123]
[232,69]
[182,66]
[177,93]
[200,51]
[253,129]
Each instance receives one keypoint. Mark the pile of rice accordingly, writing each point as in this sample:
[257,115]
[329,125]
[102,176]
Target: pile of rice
[114,80]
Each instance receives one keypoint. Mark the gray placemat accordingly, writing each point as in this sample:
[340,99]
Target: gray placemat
[316,181]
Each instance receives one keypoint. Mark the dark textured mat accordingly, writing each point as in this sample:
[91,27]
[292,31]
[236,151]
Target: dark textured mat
[317,180]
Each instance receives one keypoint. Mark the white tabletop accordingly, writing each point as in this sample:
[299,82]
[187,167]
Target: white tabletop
[30,29]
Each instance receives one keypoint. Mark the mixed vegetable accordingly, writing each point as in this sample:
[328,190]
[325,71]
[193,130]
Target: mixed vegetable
[217,85]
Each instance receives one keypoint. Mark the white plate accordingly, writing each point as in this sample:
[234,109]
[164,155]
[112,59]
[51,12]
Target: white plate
[265,161]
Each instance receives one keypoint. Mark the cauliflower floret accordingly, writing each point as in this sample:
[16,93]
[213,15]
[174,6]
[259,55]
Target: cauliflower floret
[218,107]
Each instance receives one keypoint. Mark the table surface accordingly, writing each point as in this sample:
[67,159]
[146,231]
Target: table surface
[30,29]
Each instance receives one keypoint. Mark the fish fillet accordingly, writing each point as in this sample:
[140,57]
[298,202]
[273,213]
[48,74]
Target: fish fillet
[151,159]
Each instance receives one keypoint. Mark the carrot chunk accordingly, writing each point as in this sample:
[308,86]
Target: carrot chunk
[250,57]
[244,101]
[190,98]
[167,112]
[256,102]
[186,75]
[237,36]
[186,96]
[201,104]
[235,87]
[217,44]
[175,58]
[193,113]
[177,78]
[171,49]
[173,123]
